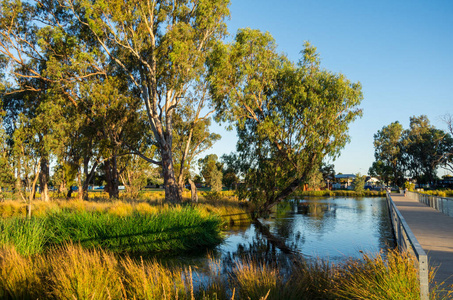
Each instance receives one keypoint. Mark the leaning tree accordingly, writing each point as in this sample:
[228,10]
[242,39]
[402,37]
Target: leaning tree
[288,117]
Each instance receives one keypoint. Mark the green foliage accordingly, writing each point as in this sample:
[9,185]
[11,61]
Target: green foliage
[388,153]
[216,180]
[211,170]
[316,180]
[135,173]
[410,186]
[359,183]
[416,152]
[166,232]
[424,145]
[83,90]
[288,117]
[26,236]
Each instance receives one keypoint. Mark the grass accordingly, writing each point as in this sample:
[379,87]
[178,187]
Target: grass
[27,236]
[119,227]
[439,193]
[172,230]
[73,272]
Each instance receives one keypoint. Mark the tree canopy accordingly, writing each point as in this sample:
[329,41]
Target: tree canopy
[289,117]
[416,152]
[154,51]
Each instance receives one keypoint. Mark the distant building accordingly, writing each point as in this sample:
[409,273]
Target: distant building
[344,181]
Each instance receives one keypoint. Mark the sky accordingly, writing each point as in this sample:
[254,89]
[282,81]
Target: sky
[401,51]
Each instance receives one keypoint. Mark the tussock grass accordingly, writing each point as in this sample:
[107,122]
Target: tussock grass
[72,272]
[379,278]
[75,273]
[26,236]
[20,276]
[257,280]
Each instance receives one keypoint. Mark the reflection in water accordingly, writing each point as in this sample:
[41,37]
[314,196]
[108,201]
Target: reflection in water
[332,229]
[329,228]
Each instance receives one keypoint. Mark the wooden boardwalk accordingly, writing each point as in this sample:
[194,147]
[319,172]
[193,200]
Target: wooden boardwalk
[434,232]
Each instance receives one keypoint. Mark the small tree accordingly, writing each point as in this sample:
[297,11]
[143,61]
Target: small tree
[359,183]
[216,180]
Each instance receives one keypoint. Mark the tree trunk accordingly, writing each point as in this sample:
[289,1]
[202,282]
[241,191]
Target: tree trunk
[111,177]
[89,174]
[172,190]
[44,179]
[18,180]
[32,192]
[80,185]
[193,191]
[115,193]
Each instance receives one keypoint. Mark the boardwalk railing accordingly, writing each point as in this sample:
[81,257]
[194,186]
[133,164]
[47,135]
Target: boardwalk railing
[407,241]
[442,204]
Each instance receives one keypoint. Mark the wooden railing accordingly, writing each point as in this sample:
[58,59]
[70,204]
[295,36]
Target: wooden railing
[407,241]
[442,204]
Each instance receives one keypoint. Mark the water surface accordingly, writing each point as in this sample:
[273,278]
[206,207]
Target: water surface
[328,228]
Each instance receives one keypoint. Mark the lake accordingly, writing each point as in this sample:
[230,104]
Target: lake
[328,228]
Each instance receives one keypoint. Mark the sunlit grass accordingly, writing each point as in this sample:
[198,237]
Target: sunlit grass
[119,227]
[72,272]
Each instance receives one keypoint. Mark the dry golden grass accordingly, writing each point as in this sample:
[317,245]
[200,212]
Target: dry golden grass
[75,273]
[71,272]
[19,276]
[257,281]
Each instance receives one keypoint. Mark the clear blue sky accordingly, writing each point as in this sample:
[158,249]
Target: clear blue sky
[401,52]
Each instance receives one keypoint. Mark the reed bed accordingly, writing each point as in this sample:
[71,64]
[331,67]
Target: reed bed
[73,272]
[120,227]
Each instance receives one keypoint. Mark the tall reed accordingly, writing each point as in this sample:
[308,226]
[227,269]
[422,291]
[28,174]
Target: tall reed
[26,236]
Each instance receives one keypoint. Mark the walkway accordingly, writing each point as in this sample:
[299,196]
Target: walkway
[434,232]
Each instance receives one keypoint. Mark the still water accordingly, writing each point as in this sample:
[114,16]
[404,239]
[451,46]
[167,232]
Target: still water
[329,228]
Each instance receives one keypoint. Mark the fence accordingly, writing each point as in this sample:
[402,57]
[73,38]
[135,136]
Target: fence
[407,241]
[442,204]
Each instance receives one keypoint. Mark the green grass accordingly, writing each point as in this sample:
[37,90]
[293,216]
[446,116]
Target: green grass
[168,231]
[26,236]
[174,230]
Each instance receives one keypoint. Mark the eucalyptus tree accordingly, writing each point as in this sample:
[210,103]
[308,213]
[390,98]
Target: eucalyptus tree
[160,47]
[209,166]
[7,179]
[231,170]
[289,117]
[446,159]
[191,132]
[388,150]
[423,145]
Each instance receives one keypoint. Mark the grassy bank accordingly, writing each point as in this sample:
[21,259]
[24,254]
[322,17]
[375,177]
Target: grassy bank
[119,227]
[72,272]
[440,193]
